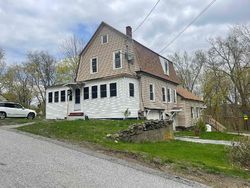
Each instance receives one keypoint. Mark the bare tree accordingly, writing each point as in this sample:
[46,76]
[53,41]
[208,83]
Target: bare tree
[16,84]
[189,68]
[71,49]
[41,70]
[230,57]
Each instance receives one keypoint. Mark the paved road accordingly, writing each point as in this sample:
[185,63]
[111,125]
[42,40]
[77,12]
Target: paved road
[27,161]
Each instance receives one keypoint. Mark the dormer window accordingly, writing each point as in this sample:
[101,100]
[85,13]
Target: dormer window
[104,39]
[94,65]
[166,67]
[117,60]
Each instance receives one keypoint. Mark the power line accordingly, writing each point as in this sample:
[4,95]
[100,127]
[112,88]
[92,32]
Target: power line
[188,25]
[146,16]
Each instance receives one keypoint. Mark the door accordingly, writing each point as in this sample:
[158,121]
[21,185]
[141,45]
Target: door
[20,111]
[77,105]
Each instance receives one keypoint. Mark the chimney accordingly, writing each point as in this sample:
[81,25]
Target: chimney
[129,31]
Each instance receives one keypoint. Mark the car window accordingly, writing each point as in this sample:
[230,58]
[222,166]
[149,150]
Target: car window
[1,104]
[9,105]
[18,106]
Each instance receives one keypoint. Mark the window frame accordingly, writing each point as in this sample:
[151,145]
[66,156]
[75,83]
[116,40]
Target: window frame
[87,87]
[56,97]
[103,37]
[164,96]
[133,89]
[153,92]
[102,91]
[95,92]
[69,95]
[174,96]
[197,109]
[111,90]
[169,98]
[114,67]
[91,65]
[192,112]
[62,96]
[166,64]
[50,101]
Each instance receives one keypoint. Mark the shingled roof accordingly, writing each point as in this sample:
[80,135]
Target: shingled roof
[149,62]
[187,94]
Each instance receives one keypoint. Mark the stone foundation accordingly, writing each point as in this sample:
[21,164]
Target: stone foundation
[157,130]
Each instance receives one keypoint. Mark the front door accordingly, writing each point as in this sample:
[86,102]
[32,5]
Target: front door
[77,105]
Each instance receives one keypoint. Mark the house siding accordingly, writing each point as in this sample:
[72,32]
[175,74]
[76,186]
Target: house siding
[184,117]
[57,110]
[113,107]
[104,52]
[158,84]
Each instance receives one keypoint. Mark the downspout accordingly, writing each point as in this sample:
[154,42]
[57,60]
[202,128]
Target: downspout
[141,96]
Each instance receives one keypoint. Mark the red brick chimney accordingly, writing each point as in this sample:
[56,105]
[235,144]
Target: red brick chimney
[129,31]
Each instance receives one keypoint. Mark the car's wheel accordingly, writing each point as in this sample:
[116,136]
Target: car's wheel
[2,115]
[31,116]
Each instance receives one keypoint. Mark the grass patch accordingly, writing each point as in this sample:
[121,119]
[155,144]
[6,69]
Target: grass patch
[211,135]
[208,157]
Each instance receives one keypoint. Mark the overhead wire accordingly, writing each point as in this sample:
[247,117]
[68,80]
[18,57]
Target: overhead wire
[146,16]
[187,26]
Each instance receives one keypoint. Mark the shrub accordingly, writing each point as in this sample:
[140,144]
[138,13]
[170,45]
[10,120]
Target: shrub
[239,153]
[200,127]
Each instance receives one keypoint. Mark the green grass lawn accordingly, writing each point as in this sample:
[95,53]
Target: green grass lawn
[208,157]
[211,135]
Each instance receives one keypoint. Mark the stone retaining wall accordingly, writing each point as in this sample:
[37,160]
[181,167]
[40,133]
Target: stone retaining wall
[157,130]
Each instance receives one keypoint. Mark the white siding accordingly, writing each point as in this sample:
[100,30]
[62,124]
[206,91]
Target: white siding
[109,107]
[113,107]
[57,110]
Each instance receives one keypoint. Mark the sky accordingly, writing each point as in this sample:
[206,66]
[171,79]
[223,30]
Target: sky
[32,25]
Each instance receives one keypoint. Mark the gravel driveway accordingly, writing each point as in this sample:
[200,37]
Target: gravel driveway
[27,161]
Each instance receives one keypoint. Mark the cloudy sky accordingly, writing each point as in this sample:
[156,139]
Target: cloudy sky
[28,25]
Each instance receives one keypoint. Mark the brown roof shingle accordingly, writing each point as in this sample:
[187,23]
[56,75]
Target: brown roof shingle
[149,62]
[187,94]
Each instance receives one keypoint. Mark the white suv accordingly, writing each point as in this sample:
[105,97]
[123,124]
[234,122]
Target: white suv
[10,109]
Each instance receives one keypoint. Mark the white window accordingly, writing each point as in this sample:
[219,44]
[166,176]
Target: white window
[151,92]
[104,39]
[174,96]
[94,65]
[197,112]
[192,112]
[117,59]
[166,67]
[113,89]
[169,95]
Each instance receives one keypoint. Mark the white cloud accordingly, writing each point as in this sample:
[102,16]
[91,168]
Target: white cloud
[42,24]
